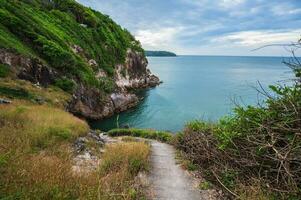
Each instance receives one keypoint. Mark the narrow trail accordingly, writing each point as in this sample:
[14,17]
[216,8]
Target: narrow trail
[168,181]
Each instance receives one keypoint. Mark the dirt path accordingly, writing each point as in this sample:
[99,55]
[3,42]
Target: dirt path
[168,181]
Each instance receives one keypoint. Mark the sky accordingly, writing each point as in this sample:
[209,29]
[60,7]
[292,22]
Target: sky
[208,27]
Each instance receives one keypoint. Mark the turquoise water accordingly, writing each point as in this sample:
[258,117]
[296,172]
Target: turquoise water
[199,87]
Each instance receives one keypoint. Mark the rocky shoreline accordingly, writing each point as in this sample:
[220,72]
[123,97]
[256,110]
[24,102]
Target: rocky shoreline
[89,102]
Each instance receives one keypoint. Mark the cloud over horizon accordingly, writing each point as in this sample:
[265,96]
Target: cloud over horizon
[210,27]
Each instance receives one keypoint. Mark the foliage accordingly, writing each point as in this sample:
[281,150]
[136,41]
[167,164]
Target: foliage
[66,35]
[18,93]
[143,133]
[258,143]
[4,71]
[65,84]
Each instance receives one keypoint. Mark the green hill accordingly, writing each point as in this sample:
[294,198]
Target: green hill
[160,54]
[49,30]
[75,48]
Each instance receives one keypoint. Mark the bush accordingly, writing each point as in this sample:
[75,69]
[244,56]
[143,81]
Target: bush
[55,54]
[261,144]
[4,71]
[66,84]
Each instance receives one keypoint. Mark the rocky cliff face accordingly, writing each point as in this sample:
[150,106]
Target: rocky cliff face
[134,74]
[29,69]
[89,102]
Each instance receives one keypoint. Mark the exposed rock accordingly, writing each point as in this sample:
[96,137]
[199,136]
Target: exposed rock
[30,69]
[107,139]
[122,101]
[85,160]
[77,49]
[80,144]
[4,101]
[85,163]
[101,74]
[88,102]
[91,103]
[153,80]
[134,73]
[92,63]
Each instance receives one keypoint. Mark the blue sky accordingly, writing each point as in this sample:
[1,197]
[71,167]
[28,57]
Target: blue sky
[207,27]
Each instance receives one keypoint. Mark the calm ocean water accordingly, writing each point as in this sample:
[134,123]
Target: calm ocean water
[199,87]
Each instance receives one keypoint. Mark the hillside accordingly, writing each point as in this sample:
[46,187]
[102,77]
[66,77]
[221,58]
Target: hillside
[160,54]
[83,52]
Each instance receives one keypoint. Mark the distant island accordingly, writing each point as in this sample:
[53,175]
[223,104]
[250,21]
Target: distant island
[160,54]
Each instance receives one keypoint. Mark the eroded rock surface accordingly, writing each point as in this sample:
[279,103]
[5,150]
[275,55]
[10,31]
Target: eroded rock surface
[29,69]
[89,102]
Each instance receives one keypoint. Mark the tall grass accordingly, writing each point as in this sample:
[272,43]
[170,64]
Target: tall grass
[36,158]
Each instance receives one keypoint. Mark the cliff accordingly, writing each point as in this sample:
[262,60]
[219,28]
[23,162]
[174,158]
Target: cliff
[60,43]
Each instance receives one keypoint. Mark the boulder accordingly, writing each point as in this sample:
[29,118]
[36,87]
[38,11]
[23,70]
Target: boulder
[4,101]
[122,101]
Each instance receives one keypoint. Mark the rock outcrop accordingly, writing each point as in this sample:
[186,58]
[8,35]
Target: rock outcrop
[26,68]
[134,74]
[89,102]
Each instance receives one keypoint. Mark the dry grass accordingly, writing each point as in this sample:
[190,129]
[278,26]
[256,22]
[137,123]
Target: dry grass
[36,158]
[52,95]
[120,165]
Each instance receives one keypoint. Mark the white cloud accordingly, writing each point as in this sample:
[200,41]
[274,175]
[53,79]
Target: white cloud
[157,38]
[285,9]
[259,38]
[230,3]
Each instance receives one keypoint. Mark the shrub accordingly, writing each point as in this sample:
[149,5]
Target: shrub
[18,93]
[4,71]
[66,84]
[55,54]
[261,144]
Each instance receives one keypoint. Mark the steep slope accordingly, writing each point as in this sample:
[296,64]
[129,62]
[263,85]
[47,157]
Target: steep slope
[83,52]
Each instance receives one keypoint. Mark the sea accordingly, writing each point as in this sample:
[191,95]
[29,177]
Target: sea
[200,88]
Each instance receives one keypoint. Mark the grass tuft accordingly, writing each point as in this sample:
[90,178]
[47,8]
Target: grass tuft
[143,133]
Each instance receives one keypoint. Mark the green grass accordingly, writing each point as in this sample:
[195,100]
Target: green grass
[49,30]
[18,93]
[143,133]
[4,71]
[19,89]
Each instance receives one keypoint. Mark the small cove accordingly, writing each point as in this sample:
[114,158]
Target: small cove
[199,87]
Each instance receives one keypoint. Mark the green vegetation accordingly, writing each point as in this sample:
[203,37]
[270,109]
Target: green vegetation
[205,185]
[160,54]
[65,35]
[19,89]
[65,84]
[143,133]
[256,147]
[4,71]
[36,158]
